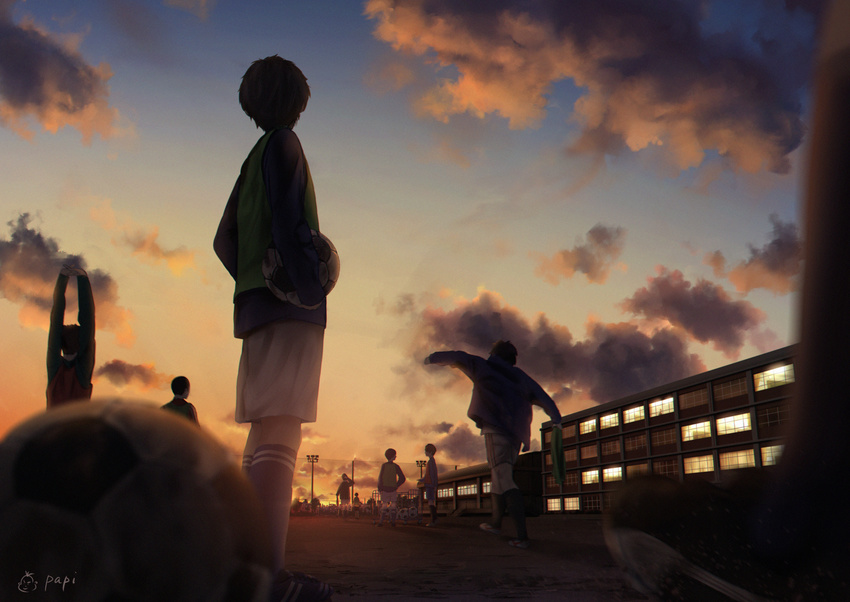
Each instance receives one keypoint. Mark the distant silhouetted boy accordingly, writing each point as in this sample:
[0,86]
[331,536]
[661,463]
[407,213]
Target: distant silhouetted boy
[70,347]
[344,494]
[180,388]
[429,481]
[502,396]
[390,479]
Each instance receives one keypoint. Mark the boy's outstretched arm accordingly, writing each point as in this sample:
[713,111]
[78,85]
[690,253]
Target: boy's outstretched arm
[542,400]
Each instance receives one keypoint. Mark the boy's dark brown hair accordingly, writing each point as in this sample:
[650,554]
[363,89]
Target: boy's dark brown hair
[273,93]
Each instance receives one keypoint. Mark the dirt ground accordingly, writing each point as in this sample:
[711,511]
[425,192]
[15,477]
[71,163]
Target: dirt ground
[455,560]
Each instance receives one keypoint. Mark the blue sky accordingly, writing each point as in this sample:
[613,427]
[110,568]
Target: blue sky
[620,200]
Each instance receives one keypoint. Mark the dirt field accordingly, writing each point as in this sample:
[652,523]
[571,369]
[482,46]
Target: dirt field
[455,560]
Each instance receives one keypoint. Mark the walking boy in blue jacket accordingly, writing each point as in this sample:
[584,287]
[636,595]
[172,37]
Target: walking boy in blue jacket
[502,396]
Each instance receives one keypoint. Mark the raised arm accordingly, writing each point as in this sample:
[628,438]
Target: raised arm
[541,399]
[85,317]
[57,321]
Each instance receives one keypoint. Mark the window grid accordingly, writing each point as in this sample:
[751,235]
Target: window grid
[700,430]
[467,489]
[588,426]
[589,477]
[486,487]
[661,406]
[550,481]
[668,467]
[609,421]
[547,437]
[592,503]
[588,451]
[570,455]
[633,414]
[770,455]
[635,442]
[773,416]
[665,437]
[610,447]
[612,473]
[732,388]
[445,492]
[553,504]
[744,458]
[571,478]
[734,424]
[697,464]
[693,399]
[571,503]
[568,431]
[547,457]
[775,377]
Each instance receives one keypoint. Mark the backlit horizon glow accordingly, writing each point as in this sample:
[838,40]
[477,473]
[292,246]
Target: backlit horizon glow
[619,200]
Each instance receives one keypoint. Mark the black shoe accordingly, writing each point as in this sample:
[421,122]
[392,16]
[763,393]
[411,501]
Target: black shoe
[298,587]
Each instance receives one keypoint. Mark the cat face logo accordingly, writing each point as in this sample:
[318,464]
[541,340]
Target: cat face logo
[27,583]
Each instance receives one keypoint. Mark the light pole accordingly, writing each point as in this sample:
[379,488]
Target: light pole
[312,459]
[421,464]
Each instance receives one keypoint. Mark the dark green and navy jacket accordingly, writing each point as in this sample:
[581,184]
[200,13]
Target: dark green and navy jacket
[273,202]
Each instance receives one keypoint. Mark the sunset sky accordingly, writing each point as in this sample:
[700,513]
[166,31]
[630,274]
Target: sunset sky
[613,185]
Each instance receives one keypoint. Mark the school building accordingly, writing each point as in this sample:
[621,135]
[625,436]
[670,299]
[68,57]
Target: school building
[701,427]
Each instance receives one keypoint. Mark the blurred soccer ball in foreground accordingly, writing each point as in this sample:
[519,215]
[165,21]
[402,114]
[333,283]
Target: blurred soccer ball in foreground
[112,500]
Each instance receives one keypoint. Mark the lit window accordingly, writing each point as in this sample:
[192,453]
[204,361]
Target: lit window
[485,487]
[770,455]
[744,458]
[729,389]
[568,431]
[570,455]
[444,492]
[693,399]
[775,377]
[636,470]
[633,414]
[553,504]
[467,489]
[609,448]
[668,468]
[571,503]
[700,430]
[734,424]
[588,426]
[635,442]
[699,464]
[609,421]
[588,451]
[614,473]
[665,437]
[662,406]
[590,476]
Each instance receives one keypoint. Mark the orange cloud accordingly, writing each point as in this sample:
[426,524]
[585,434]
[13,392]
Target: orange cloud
[46,79]
[594,258]
[651,77]
[140,376]
[29,265]
[143,243]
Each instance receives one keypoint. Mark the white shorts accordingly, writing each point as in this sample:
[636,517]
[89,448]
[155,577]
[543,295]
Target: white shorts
[279,371]
[501,457]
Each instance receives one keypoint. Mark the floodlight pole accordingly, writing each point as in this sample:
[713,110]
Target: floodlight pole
[312,459]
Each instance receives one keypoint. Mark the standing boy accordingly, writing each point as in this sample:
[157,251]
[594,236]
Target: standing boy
[273,203]
[70,347]
[390,479]
[429,482]
[179,405]
[502,396]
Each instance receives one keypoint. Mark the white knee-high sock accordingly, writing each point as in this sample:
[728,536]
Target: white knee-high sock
[271,472]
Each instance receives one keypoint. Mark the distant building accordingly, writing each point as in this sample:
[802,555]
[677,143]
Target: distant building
[701,427]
